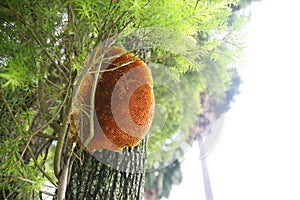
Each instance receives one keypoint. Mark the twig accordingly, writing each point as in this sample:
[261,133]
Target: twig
[29,181]
[44,107]
[48,123]
[63,179]
[40,168]
[10,112]
[114,68]
[23,20]
[92,101]
[47,193]
[51,137]
[19,178]
[62,135]
[46,52]
[56,113]
[52,84]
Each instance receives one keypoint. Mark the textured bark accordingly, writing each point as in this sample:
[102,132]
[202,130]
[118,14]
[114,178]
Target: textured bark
[109,175]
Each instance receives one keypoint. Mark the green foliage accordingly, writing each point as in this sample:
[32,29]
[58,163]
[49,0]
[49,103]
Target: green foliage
[205,62]
[16,74]
[220,51]
[18,178]
[161,181]
[174,113]
[30,75]
[43,44]
[219,67]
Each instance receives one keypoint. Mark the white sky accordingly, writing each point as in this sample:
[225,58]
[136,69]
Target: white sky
[257,156]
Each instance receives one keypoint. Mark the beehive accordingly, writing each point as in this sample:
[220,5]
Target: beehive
[124,102]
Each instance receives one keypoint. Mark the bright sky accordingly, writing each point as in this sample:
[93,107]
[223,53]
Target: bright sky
[257,156]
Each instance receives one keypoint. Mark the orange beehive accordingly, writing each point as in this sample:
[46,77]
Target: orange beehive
[124,102]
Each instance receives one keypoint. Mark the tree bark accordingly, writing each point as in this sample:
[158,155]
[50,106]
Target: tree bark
[109,175]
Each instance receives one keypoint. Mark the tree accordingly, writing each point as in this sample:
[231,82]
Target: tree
[122,178]
[159,183]
[217,84]
[43,47]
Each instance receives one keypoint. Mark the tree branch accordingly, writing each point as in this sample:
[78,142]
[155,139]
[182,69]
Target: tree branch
[36,38]
[40,168]
[10,112]
[44,107]
[64,130]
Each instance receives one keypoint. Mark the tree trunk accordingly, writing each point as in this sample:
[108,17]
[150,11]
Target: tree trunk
[109,175]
